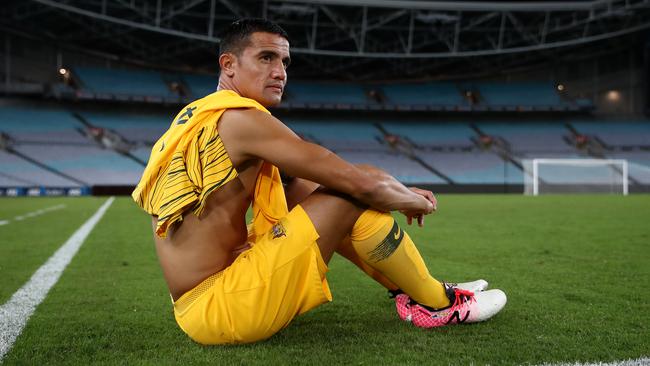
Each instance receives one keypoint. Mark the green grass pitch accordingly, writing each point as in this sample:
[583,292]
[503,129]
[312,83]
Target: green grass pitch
[576,270]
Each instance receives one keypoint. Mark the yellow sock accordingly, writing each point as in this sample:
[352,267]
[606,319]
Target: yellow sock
[384,246]
[346,250]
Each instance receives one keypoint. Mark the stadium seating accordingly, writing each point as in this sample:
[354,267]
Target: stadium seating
[117,82]
[638,164]
[17,172]
[135,128]
[399,166]
[161,87]
[438,134]
[430,152]
[530,136]
[339,135]
[620,133]
[25,124]
[302,93]
[474,167]
[88,164]
[200,85]
[142,153]
[423,94]
[500,95]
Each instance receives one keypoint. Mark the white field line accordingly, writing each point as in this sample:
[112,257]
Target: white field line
[15,312]
[644,361]
[33,214]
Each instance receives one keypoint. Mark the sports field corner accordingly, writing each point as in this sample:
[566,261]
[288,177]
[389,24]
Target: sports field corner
[570,264]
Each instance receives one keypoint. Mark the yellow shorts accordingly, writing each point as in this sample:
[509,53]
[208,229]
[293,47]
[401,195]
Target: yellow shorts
[280,277]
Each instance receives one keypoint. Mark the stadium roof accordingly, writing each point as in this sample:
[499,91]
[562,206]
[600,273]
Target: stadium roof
[355,39]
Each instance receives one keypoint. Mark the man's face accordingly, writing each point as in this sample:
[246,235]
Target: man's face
[259,72]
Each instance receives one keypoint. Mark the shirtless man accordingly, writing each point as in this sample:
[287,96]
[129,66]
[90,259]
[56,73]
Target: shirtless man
[233,284]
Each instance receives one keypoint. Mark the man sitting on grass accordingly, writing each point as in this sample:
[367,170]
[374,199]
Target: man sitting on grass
[236,284]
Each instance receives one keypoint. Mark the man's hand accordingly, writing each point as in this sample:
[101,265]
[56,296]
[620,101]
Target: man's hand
[419,216]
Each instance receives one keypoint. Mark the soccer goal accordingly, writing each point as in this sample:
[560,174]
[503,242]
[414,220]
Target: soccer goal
[542,176]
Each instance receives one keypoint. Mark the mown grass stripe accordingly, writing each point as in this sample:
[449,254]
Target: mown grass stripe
[15,313]
[637,362]
[38,212]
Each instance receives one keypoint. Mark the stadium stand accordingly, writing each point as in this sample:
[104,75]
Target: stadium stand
[179,88]
[332,95]
[338,134]
[53,126]
[89,165]
[423,95]
[617,133]
[638,164]
[136,128]
[512,96]
[530,136]
[17,172]
[62,147]
[435,135]
[474,167]
[200,85]
[399,166]
[124,84]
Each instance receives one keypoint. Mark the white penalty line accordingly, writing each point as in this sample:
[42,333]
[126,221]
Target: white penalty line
[15,312]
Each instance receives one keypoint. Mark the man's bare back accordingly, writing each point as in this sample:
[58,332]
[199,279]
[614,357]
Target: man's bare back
[200,247]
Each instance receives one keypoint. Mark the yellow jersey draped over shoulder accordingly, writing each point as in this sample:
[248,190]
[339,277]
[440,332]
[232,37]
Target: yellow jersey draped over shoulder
[189,162]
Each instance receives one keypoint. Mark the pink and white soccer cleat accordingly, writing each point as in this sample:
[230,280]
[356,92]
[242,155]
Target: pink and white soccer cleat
[466,307]
[474,286]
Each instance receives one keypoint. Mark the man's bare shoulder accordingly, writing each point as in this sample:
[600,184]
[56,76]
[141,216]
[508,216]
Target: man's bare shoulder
[247,118]
[250,133]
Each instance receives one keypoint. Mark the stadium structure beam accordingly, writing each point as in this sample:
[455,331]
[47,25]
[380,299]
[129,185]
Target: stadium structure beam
[342,24]
[129,44]
[238,11]
[523,6]
[180,9]
[458,25]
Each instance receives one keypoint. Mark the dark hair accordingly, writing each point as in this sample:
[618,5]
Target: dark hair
[236,36]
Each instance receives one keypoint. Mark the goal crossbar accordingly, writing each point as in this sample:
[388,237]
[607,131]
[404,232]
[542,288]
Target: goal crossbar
[583,162]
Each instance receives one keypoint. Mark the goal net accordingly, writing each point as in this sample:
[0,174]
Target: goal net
[542,176]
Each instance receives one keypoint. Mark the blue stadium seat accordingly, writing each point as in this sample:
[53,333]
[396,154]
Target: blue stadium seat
[132,126]
[340,135]
[399,166]
[17,172]
[638,164]
[530,136]
[474,167]
[123,82]
[303,92]
[433,134]
[440,94]
[88,164]
[201,85]
[617,133]
[518,94]
[38,124]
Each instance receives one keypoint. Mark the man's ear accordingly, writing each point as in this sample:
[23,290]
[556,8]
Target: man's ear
[226,62]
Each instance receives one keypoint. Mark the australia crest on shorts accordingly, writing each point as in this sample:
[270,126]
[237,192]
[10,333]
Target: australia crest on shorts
[278,230]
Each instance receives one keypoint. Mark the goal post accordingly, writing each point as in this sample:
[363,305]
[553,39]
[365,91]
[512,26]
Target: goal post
[543,176]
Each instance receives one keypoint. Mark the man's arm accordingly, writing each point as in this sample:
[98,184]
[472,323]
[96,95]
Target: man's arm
[250,134]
